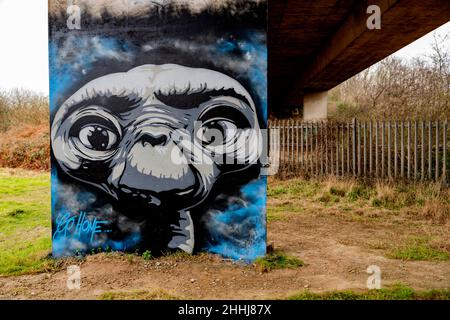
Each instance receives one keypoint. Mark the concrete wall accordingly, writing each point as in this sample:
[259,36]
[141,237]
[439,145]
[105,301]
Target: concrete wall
[315,106]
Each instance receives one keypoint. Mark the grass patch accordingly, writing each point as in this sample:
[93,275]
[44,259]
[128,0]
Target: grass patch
[398,292]
[336,191]
[274,215]
[418,250]
[139,295]
[276,190]
[294,187]
[276,212]
[181,256]
[359,192]
[328,198]
[25,232]
[278,260]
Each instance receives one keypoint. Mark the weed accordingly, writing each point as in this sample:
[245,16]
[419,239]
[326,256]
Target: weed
[147,255]
[278,260]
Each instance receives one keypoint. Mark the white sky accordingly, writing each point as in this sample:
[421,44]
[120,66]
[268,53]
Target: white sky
[24,45]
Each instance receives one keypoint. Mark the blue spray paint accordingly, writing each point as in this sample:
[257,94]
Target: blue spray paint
[72,60]
[253,48]
[246,222]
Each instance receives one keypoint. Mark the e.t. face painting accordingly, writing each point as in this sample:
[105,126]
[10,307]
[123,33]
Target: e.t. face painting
[157,113]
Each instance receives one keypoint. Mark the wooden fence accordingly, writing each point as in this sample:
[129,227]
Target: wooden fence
[415,150]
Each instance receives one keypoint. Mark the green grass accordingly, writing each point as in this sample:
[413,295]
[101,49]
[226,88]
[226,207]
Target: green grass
[139,295]
[418,250]
[359,192]
[294,188]
[397,292]
[328,198]
[337,192]
[278,260]
[25,232]
[276,213]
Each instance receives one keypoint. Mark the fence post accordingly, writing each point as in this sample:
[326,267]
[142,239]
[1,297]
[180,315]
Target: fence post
[297,155]
[376,150]
[302,159]
[311,146]
[365,148]
[348,125]
[330,132]
[289,142]
[337,150]
[354,146]
[322,148]
[359,148]
[416,159]
[316,133]
[274,141]
[437,152]
[292,160]
[342,149]
[409,149]
[370,149]
[444,153]
[402,151]
[422,150]
[395,149]
[389,150]
[280,124]
[307,146]
[430,148]
[326,148]
[383,126]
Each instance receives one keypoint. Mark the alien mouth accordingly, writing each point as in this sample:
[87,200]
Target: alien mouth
[146,199]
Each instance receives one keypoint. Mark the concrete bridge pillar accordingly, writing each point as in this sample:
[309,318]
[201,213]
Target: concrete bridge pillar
[315,106]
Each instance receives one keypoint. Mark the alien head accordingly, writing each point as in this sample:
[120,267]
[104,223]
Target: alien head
[157,135]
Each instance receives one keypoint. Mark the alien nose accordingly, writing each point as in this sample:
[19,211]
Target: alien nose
[154,139]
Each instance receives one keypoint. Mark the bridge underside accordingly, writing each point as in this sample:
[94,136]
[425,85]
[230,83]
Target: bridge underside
[314,45]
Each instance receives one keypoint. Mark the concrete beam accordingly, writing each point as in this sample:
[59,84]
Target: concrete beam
[353,47]
[315,106]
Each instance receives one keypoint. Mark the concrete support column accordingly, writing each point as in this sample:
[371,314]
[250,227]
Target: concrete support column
[315,106]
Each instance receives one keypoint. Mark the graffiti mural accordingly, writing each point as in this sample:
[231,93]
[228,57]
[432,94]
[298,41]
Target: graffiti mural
[157,113]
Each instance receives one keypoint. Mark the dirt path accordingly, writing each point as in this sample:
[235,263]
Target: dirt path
[334,261]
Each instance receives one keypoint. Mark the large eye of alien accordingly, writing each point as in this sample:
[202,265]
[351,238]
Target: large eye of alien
[97,137]
[96,134]
[216,132]
[220,125]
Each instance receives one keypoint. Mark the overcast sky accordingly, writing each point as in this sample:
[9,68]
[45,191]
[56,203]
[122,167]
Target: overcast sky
[23,51]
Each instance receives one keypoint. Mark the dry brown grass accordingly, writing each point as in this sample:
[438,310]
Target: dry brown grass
[24,130]
[385,192]
[26,147]
[436,211]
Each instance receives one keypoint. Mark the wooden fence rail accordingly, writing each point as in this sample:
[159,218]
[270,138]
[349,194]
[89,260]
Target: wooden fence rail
[415,150]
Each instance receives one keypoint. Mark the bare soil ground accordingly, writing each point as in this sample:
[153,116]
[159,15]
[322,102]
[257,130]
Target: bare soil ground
[336,246]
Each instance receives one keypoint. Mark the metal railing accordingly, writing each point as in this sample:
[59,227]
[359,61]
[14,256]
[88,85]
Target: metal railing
[415,150]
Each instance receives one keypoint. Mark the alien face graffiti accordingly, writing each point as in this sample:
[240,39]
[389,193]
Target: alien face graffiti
[155,140]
